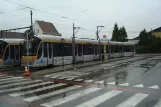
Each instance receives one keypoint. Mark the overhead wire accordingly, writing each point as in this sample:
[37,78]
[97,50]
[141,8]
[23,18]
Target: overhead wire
[64,17]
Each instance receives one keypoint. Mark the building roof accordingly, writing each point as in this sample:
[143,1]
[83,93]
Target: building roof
[48,28]
[12,35]
[156,30]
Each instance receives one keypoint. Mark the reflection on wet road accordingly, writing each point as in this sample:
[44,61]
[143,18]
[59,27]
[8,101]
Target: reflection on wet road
[134,85]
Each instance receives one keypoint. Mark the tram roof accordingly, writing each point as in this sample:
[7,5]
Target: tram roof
[12,40]
[77,40]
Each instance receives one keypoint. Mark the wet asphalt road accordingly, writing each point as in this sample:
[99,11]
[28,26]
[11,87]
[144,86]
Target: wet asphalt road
[137,78]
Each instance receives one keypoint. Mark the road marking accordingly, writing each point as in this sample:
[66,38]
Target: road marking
[10,79]
[139,85]
[35,98]
[36,90]
[25,87]
[8,82]
[133,101]
[54,77]
[111,83]
[99,82]
[70,97]
[88,81]
[21,83]
[96,101]
[78,80]
[154,87]
[158,104]
[125,84]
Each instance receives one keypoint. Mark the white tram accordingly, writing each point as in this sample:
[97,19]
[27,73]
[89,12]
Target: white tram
[10,52]
[49,50]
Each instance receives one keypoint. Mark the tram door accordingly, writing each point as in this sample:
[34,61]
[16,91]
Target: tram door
[15,54]
[50,54]
[80,53]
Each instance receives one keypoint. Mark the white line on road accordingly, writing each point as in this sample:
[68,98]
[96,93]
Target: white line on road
[125,84]
[70,97]
[10,78]
[99,82]
[96,101]
[36,90]
[35,98]
[21,83]
[25,87]
[139,85]
[111,83]
[154,87]
[133,101]
[9,82]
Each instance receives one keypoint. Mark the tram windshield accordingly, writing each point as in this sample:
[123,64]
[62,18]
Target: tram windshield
[2,49]
[32,48]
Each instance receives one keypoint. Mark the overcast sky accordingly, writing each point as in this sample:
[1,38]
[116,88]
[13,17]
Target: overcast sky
[135,15]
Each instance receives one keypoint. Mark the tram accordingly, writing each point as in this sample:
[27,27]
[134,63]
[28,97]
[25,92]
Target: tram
[10,52]
[49,50]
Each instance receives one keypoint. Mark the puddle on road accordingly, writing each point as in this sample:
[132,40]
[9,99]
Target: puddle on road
[150,64]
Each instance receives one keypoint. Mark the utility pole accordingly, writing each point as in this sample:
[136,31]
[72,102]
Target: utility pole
[98,38]
[75,30]
[1,33]
[31,20]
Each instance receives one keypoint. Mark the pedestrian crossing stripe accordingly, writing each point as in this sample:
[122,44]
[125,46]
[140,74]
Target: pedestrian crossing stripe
[139,85]
[111,83]
[133,101]
[70,97]
[154,87]
[96,101]
[125,84]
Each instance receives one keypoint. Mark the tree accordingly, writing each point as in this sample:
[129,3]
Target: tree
[123,34]
[115,34]
[144,38]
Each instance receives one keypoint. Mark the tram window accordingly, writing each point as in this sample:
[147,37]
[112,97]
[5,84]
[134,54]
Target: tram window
[90,49]
[50,49]
[102,49]
[57,49]
[12,53]
[112,49]
[96,49]
[85,49]
[120,48]
[45,50]
[40,51]
[79,49]
[116,49]
[6,54]
[17,52]
[67,49]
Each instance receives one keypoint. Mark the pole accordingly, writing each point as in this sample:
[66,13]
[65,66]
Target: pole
[1,33]
[73,44]
[27,52]
[63,56]
[31,19]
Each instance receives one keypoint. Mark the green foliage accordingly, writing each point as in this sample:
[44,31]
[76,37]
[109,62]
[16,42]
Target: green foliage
[148,43]
[123,34]
[119,34]
[115,34]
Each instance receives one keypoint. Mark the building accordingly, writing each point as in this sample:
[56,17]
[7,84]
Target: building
[156,32]
[42,27]
[12,35]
